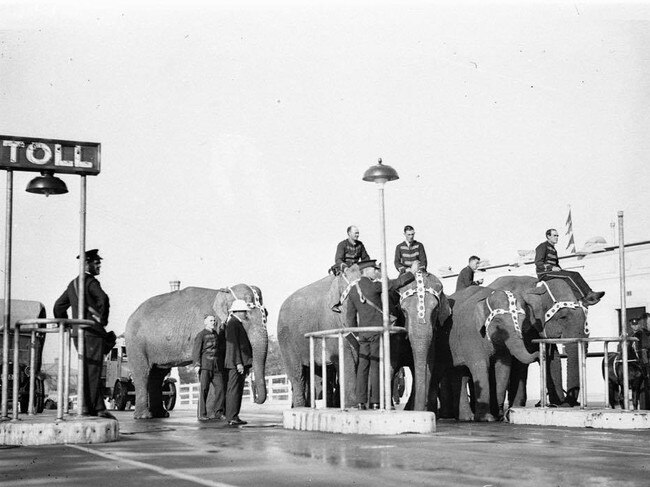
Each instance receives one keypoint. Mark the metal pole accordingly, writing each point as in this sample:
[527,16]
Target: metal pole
[15,405]
[60,380]
[7,295]
[384,298]
[542,374]
[581,372]
[606,373]
[341,371]
[621,270]
[312,374]
[81,346]
[382,379]
[32,373]
[323,348]
[66,368]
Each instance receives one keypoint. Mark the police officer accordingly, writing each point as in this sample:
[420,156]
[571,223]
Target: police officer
[548,267]
[364,310]
[97,306]
[239,360]
[349,251]
[409,251]
[209,353]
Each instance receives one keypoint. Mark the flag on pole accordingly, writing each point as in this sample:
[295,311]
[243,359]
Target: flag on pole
[571,246]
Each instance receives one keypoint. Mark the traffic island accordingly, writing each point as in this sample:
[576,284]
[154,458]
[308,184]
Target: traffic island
[42,430]
[354,421]
[618,419]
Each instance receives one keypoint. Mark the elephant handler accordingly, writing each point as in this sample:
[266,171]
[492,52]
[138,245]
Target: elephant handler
[349,251]
[209,354]
[97,306]
[466,275]
[548,267]
[365,302]
[239,360]
[409,250]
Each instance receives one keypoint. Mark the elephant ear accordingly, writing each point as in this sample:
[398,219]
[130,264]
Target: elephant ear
[480,315]
[444,309]
[259,294]
[222,303]
[533,297]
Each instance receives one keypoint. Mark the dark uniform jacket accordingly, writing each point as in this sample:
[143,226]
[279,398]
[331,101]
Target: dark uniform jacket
[545,258]
[349,253]
[238,347]
[209,350]
[465,279]
[371,290]
[405,255]
[95,298]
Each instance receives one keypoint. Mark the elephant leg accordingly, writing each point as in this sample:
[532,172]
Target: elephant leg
[156,378]
[448,389]
[295,371]
[481,378]
[573,375]
[461,395]
[501,380]
[140,368]
[517,384]
[554,376]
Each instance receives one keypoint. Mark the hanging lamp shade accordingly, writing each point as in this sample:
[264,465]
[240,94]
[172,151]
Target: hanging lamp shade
[380,173]
[46,184]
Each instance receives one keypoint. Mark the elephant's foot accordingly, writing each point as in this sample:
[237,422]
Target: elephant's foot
[160,413]
[466,418]
[142,414]
[484,418]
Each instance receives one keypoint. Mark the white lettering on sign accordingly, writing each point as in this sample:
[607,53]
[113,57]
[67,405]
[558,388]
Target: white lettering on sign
[31,156]
[58,157]
[13,155]
[77,158]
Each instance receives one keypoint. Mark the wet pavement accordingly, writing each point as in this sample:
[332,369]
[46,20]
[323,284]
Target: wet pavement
[180,451]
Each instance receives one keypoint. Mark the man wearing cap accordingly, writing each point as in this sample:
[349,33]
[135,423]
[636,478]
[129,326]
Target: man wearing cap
[409,251]
[97,306]
[209,353]
[547,265]
[365,309]
[349,251]
[239,359]
[466,275]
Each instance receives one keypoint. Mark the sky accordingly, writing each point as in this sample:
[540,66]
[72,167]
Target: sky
[234,135]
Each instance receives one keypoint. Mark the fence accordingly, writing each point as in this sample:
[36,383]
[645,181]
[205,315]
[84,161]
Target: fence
[278,389]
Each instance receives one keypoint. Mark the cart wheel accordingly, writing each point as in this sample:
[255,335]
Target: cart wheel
[169,395]
[120,395]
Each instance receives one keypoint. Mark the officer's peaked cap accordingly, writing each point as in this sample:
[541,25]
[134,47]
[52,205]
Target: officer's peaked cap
[368,263]
[91,255]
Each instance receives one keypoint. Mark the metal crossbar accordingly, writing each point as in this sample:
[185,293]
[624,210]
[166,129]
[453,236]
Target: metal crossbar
[339,333]
[582,364]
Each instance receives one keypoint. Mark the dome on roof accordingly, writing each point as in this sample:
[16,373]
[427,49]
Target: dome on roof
[596,240]
[593,244]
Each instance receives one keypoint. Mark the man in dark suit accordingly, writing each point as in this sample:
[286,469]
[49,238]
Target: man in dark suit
[97,306]
[239,359]
[466,276]
[209,354]
[365,302]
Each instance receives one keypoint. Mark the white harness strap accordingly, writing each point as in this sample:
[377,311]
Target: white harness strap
[256,301]
[558,305]
[349,287]
[512,309]
[420,290]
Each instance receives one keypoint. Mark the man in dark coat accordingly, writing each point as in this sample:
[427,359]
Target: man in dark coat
[349,251]
[209,354]
[239,359]
[365,302]
[547,265]
[466,276]
[97,306]
[409,251]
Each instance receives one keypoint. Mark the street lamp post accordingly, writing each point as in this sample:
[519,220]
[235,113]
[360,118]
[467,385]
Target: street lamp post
[380,175]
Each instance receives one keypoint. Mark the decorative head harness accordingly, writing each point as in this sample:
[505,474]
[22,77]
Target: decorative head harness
[512,309]
[420,290]
[557,305]
[256,301]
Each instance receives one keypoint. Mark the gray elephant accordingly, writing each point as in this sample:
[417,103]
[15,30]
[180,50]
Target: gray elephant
[160,334]
[485,334]
[553,311]
[308,310]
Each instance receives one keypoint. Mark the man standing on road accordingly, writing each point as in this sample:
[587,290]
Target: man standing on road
[349,251]
[365,301]
[547,265]
[239,359]
[409,251]
[97,306]
[209,353]
[466,276]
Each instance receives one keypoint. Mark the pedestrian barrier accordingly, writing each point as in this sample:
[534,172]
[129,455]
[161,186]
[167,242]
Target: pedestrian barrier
[582,364]
[278,389]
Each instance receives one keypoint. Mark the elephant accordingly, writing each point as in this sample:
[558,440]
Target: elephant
[160,334]
[566,318]
[308,310]
[484,335]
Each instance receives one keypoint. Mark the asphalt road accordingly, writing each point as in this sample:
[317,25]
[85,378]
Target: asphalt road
[180,451]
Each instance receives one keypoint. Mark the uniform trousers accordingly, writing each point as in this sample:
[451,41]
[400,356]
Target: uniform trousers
[217,379]
[368,369]
[573,279]
[94,361]
[234,393]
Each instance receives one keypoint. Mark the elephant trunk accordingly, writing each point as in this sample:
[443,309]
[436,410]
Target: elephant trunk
[259,342]
[518,350]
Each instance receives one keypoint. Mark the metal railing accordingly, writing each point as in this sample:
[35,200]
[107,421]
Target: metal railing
[340,333]
[582,365]
[62,326]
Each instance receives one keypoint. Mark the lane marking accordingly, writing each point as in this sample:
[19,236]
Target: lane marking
[163,471]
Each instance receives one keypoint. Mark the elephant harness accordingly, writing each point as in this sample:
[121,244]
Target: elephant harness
[558,305]
[512,309]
